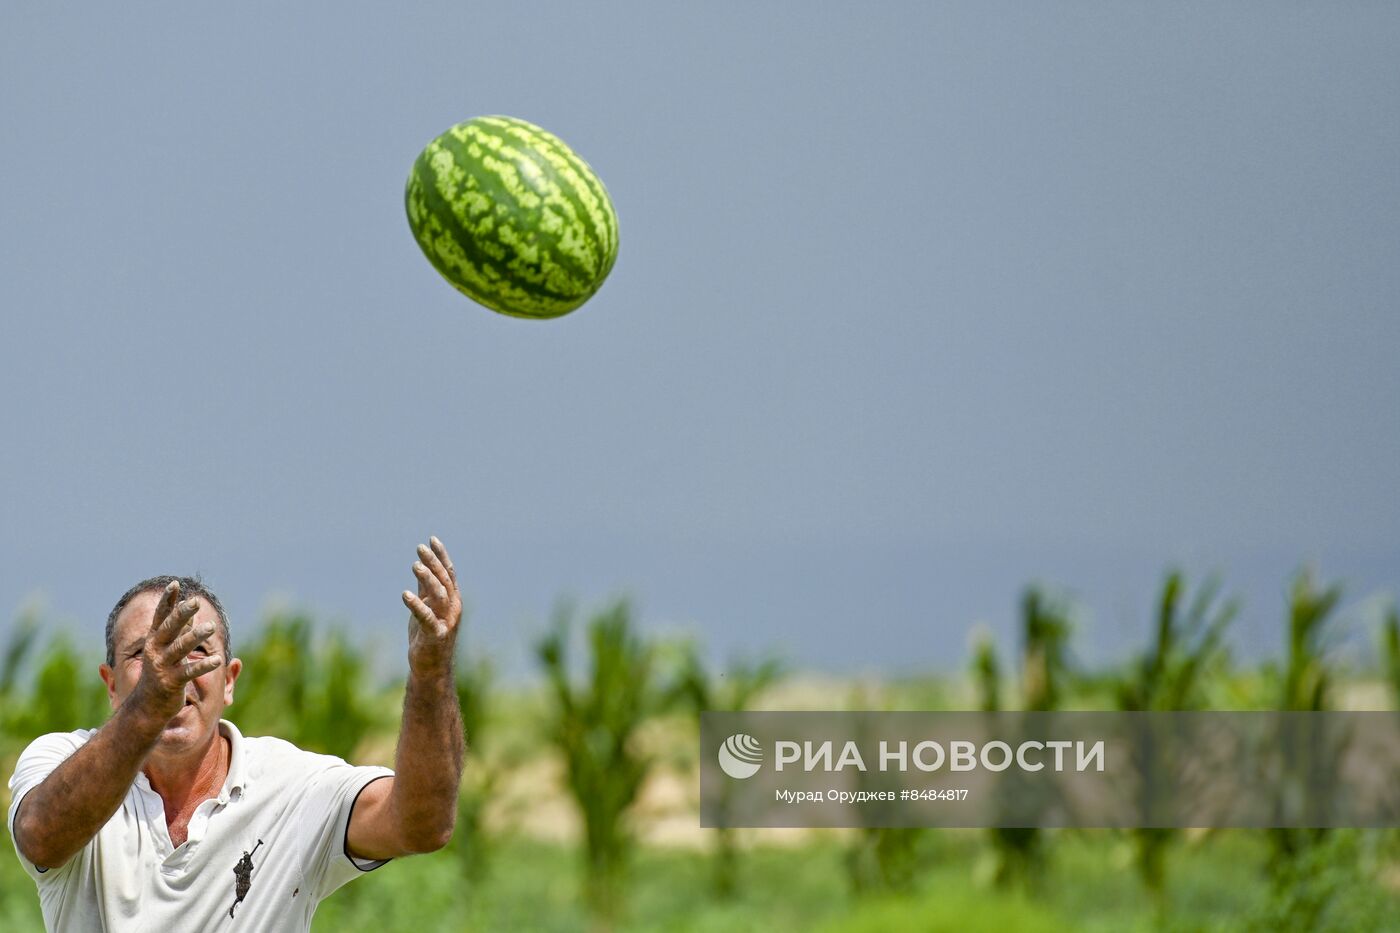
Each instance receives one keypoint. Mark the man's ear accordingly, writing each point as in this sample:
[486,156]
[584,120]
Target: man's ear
[109,678]
[231,671]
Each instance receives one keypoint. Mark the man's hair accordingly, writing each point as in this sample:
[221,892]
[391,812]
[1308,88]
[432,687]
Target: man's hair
[189,587]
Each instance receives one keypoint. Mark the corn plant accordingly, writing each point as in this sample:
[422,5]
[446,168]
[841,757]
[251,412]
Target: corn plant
[986,675]
[1390,650]
[52,687]
[13,699]
[594,725]
[730,692]
[1307,686]
[1045,631]
[23,637]
[312,690]
[1390,658]
[1308,679]
[1045,628]
[882,859]
[1188,645]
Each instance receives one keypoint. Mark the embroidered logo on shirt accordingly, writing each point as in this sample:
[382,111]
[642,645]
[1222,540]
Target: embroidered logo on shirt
[243,871]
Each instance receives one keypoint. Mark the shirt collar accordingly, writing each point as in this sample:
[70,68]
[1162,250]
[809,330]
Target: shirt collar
[237,779]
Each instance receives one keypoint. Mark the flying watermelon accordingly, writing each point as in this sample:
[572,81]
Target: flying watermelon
[512,217]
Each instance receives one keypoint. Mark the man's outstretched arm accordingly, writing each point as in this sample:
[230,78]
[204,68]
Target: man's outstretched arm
[415,810]
[60,815]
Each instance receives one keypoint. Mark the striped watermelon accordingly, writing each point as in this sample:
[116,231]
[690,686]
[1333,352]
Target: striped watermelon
[511,217]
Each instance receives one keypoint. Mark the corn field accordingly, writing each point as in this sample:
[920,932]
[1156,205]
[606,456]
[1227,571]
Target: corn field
[579,807]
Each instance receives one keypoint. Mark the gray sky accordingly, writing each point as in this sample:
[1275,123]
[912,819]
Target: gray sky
[914,304]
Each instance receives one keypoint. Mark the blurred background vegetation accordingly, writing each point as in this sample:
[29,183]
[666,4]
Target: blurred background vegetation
[579,810]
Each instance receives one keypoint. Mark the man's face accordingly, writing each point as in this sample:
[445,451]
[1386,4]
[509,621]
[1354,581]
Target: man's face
[206,696]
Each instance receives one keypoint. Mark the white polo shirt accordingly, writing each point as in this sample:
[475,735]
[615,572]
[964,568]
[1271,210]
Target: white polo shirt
[287,809]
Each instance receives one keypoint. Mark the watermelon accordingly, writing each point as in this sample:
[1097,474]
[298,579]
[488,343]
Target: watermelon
[511,217]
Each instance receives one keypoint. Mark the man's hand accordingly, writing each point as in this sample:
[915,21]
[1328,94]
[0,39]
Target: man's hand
[415,810]
[436,611]
[165,663]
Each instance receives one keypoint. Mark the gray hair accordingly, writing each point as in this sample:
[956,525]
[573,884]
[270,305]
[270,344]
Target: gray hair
[189,587]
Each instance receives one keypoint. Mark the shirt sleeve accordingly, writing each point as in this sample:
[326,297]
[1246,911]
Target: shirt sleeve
[330,798]
[35,764]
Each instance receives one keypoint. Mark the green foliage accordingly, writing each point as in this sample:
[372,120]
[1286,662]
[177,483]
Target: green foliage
[21,643]
[312,689]
[1307,686]
[887,859]
[1216,889]
[475,680]
[1308,681]
[1390,649]
[1188,645]
[48,688]
[729,692]
[594,726]
[953,910]
[1045,633]
[883,859]
[1326,886]
[986,674]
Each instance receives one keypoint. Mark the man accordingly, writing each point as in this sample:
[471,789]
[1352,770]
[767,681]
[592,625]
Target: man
[167,818]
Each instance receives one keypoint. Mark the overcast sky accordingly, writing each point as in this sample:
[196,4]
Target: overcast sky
[915,303]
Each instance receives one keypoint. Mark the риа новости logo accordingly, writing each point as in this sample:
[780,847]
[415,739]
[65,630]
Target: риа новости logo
[740,756]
